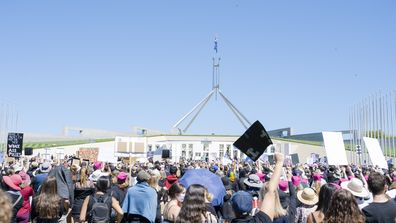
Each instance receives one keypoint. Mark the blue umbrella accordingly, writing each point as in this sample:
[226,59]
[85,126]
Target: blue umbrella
[207,179]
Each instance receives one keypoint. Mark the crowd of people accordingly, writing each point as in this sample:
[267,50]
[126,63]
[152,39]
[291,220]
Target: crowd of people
[35,190]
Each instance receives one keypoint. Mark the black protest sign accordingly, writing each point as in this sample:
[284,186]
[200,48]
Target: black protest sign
[14,144]
[254,141]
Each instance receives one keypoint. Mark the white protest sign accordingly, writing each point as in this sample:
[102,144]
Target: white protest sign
[335,148]
[375,152]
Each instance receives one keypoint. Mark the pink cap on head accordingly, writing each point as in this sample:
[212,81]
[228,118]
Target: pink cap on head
[317,177]
[283,185]
[296,180]
[394,179]
[122,176]
[261,176]
[97,165]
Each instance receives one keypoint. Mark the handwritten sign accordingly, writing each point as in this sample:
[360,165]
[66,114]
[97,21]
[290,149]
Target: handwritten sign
[15,144]
[90,154]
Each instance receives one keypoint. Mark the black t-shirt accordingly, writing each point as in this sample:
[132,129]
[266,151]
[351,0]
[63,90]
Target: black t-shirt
[260,217]
[380,212]
[118,193]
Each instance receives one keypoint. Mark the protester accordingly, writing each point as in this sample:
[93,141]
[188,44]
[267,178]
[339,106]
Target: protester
[83,188]
[227,211]
[40,176]
[23,215]
[48,206]
[119,190]
[172,208]
[194,209]
[141,200]
[280,214]
[172,178]
[5,208]
[12,187]
[343,208]
[242,201]
[382,209]
[308,199]
[356,187]
[325,194]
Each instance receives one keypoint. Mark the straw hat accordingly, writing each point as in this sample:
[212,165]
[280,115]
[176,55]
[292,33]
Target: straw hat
[307,196]
[355,186]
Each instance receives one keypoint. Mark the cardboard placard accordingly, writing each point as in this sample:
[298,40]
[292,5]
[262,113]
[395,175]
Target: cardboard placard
[15,144]
[375,152]
[90,154]
[335,148]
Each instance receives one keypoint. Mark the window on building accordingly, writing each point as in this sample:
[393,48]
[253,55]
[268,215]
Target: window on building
[221,150]
[150,147]
[198,154]
[190,146]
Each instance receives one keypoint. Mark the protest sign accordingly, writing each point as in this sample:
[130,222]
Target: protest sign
[90,154]
[335,148]
[375,152]
[15,144]
[254,141]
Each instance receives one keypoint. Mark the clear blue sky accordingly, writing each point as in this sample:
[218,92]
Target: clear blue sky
[116,64]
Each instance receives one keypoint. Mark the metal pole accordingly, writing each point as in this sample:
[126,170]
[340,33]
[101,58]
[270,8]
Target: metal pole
[233,106]
[195,116]
[192,110]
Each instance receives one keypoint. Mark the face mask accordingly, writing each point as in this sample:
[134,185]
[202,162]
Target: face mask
[180,198]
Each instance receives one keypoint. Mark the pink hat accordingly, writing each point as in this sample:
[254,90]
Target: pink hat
[13,181]
[366,178]
[283,185]
[394,179]
[317,177]
[122,176]
[25,177]
[97,165]
[261,176]
[296,180]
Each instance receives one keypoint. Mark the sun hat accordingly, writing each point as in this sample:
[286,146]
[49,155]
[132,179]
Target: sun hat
[122,176]
[13,181]
[355,186]
[95,175]
[242,202]
[17,168]
[253,181]
[307,196]
[45,167]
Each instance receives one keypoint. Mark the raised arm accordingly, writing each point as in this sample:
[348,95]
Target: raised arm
[267,206]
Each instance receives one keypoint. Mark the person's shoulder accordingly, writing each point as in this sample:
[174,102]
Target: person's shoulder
[261,217]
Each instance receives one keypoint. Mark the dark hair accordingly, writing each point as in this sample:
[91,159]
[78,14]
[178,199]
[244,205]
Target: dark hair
[343,208]
[48,201]
[193,205]
[376,183]
[102,184]
[175,189]
[325,194]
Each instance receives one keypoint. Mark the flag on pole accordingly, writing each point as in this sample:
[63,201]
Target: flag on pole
[215,45]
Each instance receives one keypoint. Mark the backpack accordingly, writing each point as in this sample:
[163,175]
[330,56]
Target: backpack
[101,209]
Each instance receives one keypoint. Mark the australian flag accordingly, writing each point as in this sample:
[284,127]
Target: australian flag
[215,45]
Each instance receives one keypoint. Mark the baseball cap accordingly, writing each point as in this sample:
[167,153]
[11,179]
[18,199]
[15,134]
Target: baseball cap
[242,202]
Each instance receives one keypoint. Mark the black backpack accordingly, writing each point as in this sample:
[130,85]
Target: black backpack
[101,209]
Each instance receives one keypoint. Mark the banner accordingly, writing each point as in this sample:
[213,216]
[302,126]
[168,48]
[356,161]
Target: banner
[375,152]
[15,144]
[335,148]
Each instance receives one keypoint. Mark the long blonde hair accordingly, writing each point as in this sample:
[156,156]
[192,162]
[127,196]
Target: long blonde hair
[279,210]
